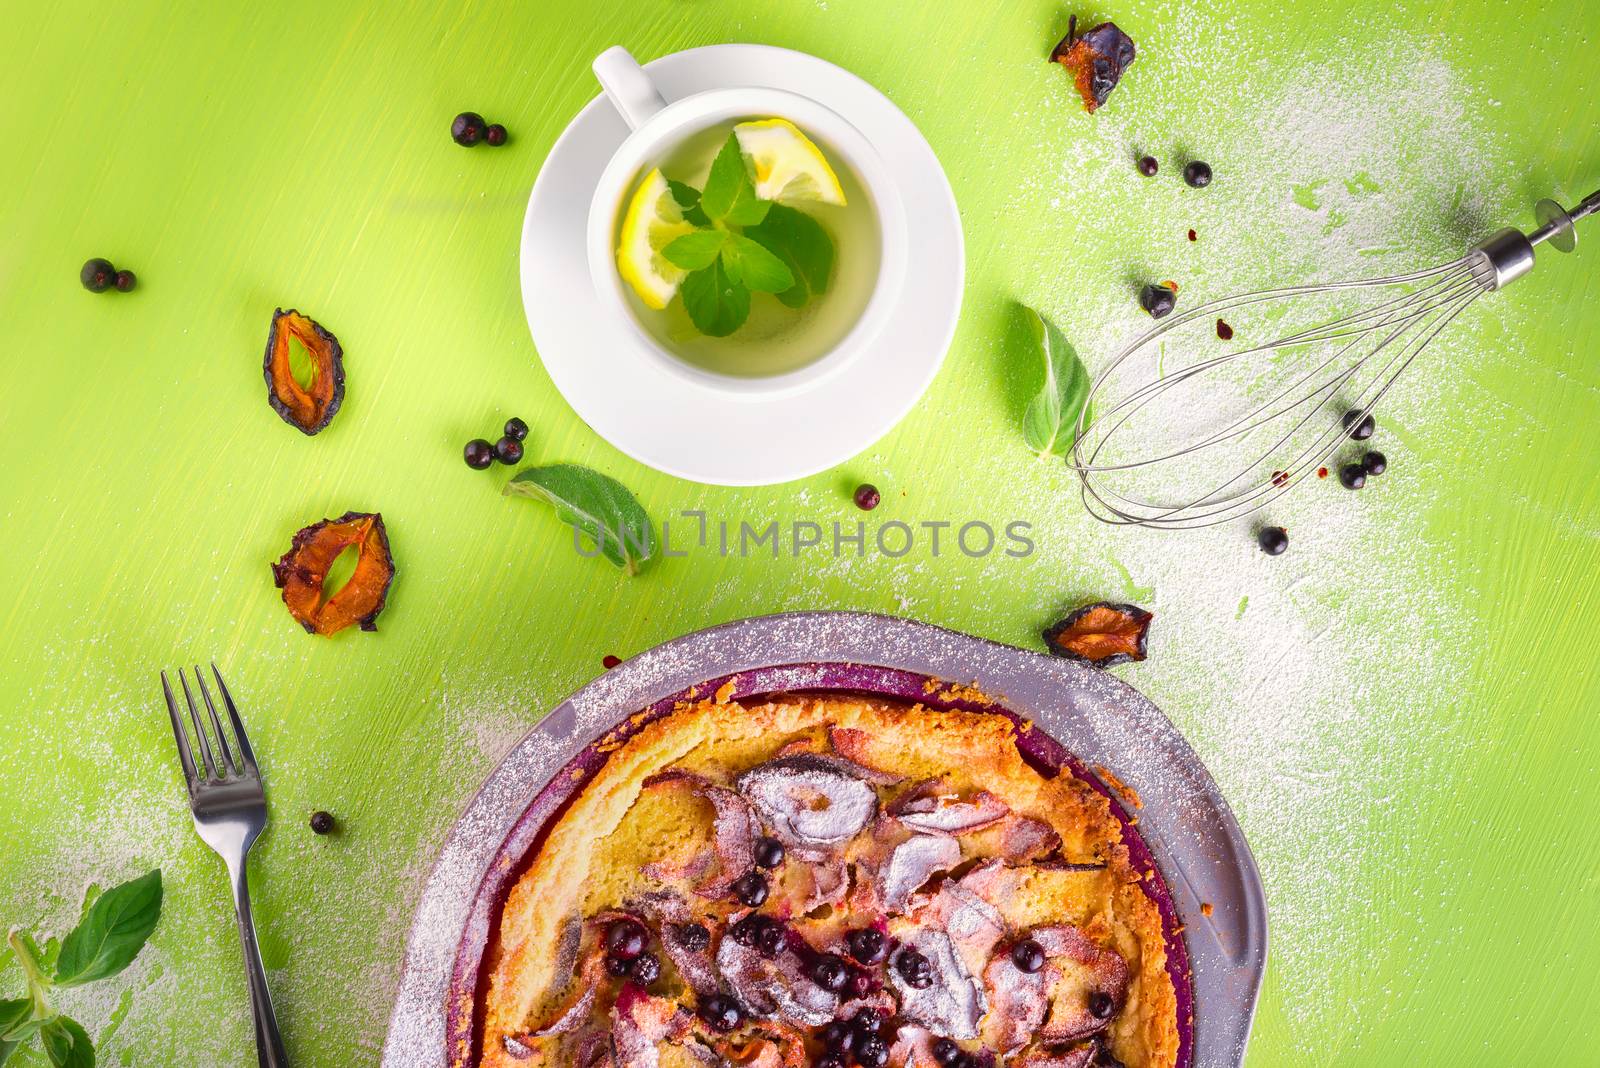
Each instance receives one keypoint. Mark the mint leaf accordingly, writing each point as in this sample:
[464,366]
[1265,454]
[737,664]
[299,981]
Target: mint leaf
[728,180]
[599,507]
[67,1044]
[729,195]
[751,265]
[13,1015]
[717,305]
[803,245]
[1050,425]
[748,212]
[796,295]
[112,932]
[25,1030]
[696,250]
[688,198]
[6,1049]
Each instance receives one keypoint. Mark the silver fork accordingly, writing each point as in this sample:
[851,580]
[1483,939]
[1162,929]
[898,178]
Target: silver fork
[230,811]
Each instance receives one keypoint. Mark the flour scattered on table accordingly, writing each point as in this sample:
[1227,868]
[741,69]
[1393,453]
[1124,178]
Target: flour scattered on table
[332,912]
[1327,166]
[1350,166]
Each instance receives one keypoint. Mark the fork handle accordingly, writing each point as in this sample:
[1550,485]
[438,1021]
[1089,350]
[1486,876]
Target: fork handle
[269,1044]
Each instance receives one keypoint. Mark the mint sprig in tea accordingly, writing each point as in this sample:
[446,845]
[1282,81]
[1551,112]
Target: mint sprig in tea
[747,251]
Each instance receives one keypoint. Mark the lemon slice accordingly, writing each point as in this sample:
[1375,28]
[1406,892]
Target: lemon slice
[788,167]
[653,221]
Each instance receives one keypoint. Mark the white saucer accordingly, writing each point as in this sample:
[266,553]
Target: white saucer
[690,430]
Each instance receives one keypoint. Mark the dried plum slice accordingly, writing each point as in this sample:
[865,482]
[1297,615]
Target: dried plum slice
[911,864]
[953,1003]
[1089,974]
[303,569]
[691,957]
[1102,634]
[810,801]
[827,883]
[733,833]
[935,812]
[640,1022]
[774,987]
[854,747]
[1024,838]
[974,925]
[311,407]
[1019,999]
[912,1048]
[1097,59]
[575,1006]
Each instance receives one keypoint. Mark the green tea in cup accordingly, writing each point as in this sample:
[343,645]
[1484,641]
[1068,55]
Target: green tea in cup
[748,250]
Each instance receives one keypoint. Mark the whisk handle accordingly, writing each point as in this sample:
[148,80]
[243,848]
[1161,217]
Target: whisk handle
[1587,206]
[1556,222]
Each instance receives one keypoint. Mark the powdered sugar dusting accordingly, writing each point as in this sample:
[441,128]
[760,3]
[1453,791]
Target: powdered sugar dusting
[366,884]
[1306,682]
[1360,163]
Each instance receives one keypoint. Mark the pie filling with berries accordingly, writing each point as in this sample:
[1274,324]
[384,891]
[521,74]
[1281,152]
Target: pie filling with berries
[829,881]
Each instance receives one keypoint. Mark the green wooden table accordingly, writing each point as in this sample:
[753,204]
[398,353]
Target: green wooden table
[1402,709]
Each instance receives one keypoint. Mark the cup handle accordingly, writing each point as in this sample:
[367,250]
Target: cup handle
[631,91]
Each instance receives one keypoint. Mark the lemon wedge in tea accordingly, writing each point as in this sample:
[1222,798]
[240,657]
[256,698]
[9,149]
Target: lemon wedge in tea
[788,167]
[653,220]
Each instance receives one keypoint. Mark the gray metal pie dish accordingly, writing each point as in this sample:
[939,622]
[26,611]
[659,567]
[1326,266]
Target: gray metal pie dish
[1087,722]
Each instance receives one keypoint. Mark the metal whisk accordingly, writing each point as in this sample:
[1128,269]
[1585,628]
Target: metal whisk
[1247,425]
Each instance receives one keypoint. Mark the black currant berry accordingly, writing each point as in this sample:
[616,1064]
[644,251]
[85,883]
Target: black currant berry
[750,889]
[768,852]
[98,275]
[466,129]
[508,450]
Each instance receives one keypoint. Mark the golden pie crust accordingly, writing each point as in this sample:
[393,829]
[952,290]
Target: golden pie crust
[590,861]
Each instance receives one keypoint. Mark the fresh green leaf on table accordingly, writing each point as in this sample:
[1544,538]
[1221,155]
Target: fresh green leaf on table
[803,245]
[17,1025]
[597,506]
[749,264]
[112,932]
[688,198]
[694,251]
[1050,425]
[730,195]
[716,304]
[66,1043]
[13,1014]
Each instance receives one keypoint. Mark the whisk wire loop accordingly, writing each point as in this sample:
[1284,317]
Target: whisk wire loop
[1398,326]
[1352,361]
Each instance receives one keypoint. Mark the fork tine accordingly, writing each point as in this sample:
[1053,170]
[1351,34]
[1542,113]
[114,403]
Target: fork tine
[229,765]
[199,728]
[185,755]
[245,751]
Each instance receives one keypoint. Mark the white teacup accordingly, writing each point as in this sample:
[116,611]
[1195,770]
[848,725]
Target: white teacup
[657,128]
